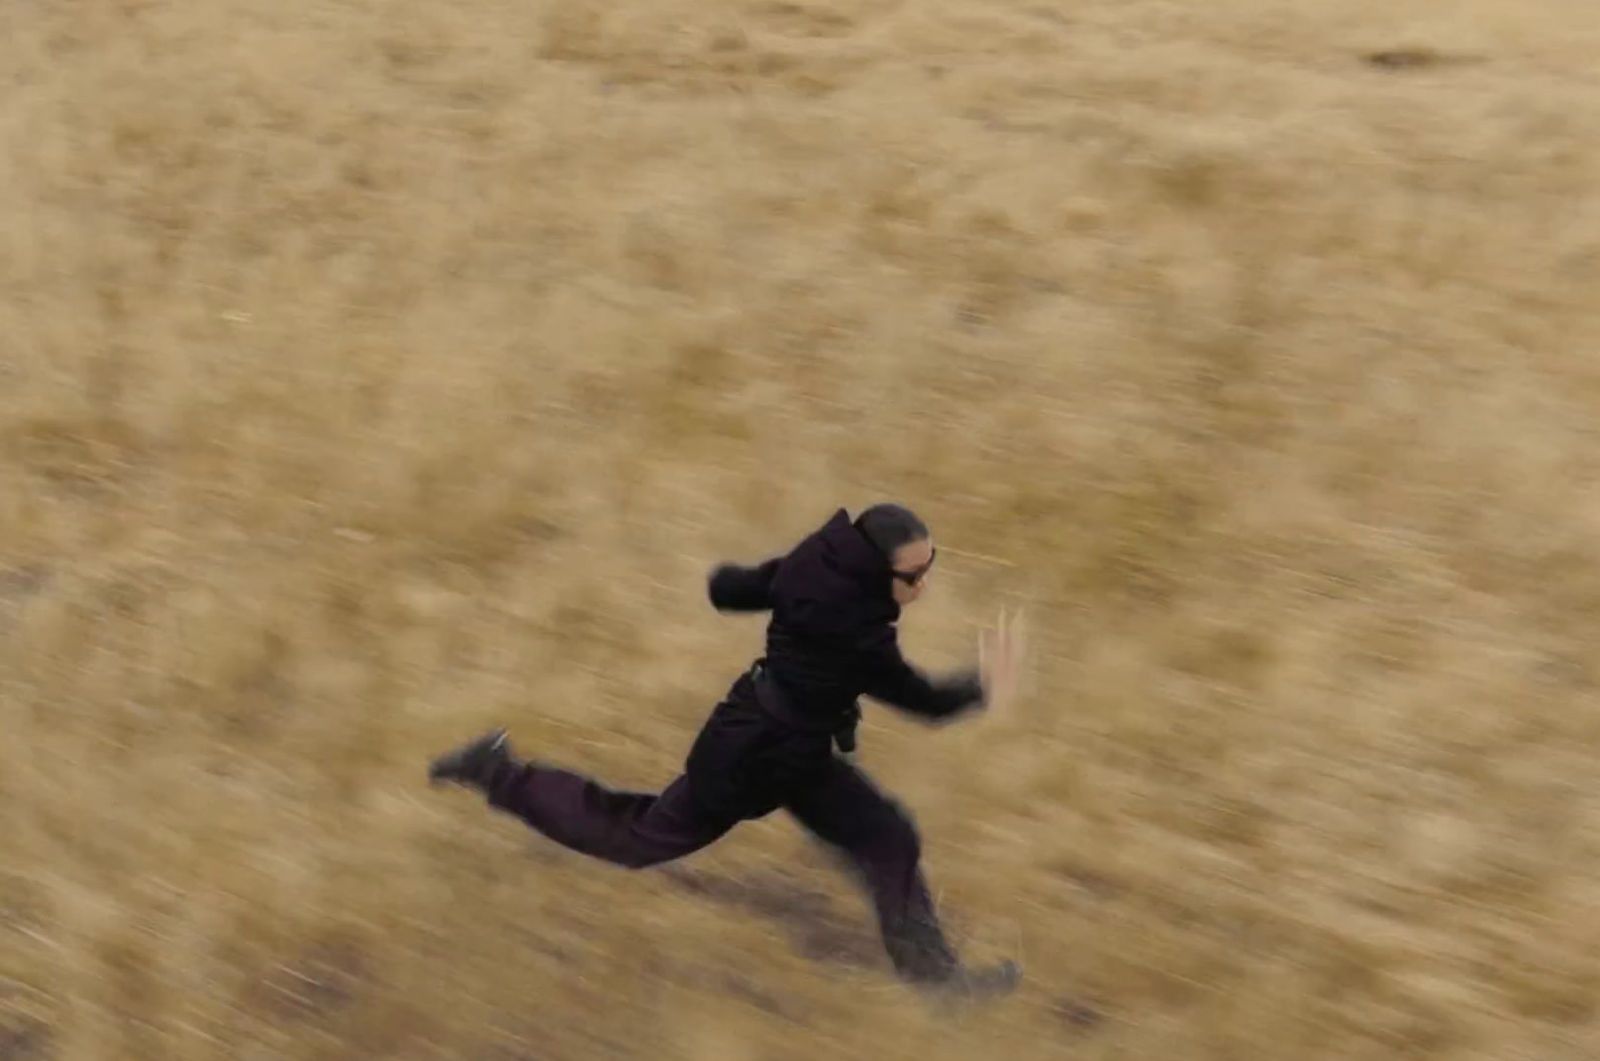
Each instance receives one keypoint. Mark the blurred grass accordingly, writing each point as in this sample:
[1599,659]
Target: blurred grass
[372,373]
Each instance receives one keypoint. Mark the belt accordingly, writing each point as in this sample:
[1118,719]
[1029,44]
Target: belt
[776,704]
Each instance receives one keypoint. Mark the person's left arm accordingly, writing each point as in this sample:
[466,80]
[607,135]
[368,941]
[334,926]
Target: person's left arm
[736,588]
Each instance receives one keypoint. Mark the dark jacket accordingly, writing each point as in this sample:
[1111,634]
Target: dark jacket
[832,636]
[831,639]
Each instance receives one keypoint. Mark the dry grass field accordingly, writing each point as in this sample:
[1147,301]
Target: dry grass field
[375,372]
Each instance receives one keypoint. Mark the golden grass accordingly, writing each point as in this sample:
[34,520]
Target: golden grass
[374,372]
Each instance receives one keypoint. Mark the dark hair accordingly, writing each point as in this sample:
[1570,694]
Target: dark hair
[890,526]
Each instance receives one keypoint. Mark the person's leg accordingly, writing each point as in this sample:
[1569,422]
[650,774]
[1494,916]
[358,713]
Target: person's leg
[846,811]
[625,828]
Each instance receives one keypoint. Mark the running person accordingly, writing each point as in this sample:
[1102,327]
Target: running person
[834,601]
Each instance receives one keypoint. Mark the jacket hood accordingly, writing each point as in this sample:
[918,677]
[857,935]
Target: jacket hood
[835,582]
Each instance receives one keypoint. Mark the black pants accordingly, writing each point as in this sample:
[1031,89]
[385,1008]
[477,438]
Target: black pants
[743,766]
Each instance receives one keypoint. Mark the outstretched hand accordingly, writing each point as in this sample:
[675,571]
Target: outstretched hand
[1000,654]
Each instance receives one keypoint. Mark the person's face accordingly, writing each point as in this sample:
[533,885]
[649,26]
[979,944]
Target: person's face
[912,563]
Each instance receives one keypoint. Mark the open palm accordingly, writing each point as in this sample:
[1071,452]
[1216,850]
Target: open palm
[1000,654]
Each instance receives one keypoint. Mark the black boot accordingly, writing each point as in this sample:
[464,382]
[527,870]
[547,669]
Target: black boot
[965,985]
[473,764]
[923,956]
[988,981]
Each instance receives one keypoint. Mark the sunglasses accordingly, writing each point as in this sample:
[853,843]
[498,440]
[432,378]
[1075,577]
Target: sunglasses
[911,578]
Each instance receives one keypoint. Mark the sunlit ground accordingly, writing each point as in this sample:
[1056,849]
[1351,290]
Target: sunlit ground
[372,373]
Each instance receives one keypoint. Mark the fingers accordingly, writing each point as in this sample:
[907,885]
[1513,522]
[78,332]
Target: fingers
[1019,634]
[1006,638]
[1000,654]
[1001,649]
